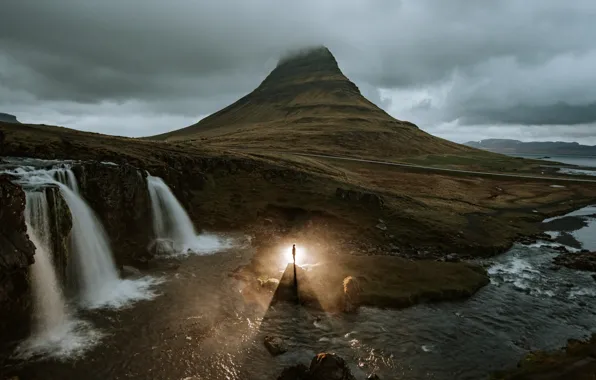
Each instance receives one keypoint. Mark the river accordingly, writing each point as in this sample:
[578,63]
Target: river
[201,327]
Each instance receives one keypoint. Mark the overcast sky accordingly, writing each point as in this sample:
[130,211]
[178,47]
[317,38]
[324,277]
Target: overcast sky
[460,69]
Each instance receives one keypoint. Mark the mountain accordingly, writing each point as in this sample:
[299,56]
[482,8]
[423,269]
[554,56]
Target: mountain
[534,147]
[307,104]
[8,118]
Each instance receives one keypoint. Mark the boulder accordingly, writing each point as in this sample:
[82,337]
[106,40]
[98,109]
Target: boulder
[296,372]
[275,345]
[327,366]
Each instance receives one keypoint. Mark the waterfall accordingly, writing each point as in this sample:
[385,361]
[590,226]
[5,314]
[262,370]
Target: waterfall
[98,281]
[92,254]
[171,223]
[57,333]
[174,231]
[50,312]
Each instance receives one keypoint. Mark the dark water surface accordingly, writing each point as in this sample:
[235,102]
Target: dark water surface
[202,327]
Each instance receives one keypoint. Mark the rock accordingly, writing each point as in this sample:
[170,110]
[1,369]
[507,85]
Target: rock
[120,197]
[352,290]
[270,284]
[297,372]
[128,271]
[452,258]
[381,227]
[275,345]
[327,366]
[594,277]
[16,255]
[585,261]
[373,377]
[582,304]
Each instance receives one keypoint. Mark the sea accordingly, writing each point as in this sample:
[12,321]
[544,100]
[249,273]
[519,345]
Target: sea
[587,163]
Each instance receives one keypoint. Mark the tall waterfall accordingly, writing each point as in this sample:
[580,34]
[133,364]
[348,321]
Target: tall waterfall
[174,231]
[50,312]
[92,254]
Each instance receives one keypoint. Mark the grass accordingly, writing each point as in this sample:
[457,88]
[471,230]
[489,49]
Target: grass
[576,361]
[225,189]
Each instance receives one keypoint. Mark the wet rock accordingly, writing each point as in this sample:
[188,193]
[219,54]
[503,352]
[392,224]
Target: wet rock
[275,345]
[582,304]
[327,366]
[119,196]
[297,372]
[128,271]
[60,227]
[585,261]
[561,248]
[594,277]
[381,226]
[16,255]
[352,290]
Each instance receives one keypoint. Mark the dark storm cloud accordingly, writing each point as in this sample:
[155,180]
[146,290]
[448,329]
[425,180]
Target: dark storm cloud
[150,65]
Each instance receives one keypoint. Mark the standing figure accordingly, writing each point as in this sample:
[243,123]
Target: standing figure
[295,278]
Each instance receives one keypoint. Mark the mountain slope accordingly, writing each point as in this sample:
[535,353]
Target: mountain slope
[307,104]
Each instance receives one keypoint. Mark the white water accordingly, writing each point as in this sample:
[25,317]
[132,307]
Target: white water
[92,254]
[99,283]
[55,332]
[174,231]
[49,306]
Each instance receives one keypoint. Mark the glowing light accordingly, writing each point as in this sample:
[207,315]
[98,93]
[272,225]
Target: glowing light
[300,255]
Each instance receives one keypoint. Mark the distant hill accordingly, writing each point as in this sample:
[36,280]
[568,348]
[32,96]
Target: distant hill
[307,104]
[8,118]
[534,147]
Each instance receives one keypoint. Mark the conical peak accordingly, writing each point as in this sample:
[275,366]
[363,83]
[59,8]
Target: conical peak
[307,65]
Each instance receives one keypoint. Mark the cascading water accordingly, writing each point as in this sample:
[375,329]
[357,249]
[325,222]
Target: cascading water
[57,333]
[174,231]
[92,254]
[50,314]
[170,220]
[98,280]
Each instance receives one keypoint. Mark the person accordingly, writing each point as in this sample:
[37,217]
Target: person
[294,253]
